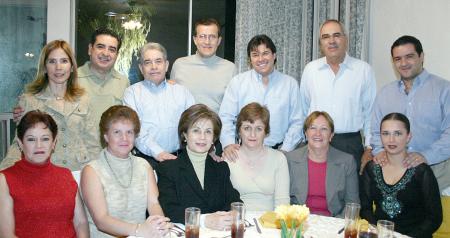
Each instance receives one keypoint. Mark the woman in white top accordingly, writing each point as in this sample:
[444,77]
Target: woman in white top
[119,188]
[261,173]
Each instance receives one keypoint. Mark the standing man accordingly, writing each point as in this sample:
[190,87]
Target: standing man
[425,99]
[205,74]
[102,82]
[159,105]
[344,87]
[269,87]
[104,85]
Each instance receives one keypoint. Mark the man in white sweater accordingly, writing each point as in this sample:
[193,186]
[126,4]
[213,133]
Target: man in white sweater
[204,74]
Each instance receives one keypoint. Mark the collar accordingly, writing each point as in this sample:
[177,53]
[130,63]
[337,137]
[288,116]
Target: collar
[207,60]
[96,76]
[271,76]
[347,63]
[45,94]
[419,80]
[33,168]
[152,86]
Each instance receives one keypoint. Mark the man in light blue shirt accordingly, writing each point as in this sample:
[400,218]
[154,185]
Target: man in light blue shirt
[159,105]
[343,86]
[267,86]
[425,99]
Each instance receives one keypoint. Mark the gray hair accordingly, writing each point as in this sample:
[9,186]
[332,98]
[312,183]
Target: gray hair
[152,46]
[335,21]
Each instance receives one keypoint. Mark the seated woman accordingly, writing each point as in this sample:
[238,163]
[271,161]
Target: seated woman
[37,198]
[119,188]
[261,174]
[195,179]
[55,91]
[325,178]
[408,197]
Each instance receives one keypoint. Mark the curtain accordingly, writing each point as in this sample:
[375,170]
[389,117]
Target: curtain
[293,25]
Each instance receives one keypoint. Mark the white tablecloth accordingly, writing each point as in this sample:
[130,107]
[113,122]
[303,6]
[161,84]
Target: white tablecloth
[316,227]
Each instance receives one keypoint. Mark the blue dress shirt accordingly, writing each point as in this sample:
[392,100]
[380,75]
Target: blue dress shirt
[427,107]
[281,97]
[159,108]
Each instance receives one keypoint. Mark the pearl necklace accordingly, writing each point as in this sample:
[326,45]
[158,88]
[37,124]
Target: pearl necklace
[114,174]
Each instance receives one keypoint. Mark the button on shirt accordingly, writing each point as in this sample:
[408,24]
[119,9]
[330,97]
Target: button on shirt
[347,96]
[427,107]
[159,108]
[281,96]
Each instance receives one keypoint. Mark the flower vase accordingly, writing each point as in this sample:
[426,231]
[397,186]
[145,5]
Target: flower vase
[292,230]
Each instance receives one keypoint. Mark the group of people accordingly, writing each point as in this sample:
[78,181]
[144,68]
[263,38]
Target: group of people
[215,137]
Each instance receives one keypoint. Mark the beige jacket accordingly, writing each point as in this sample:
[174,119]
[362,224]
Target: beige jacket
[104,93]
[77,139]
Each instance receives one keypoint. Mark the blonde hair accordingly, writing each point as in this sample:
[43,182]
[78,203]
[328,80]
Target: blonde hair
[40,82]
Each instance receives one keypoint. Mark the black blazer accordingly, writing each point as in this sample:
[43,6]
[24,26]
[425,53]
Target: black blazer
[180,188]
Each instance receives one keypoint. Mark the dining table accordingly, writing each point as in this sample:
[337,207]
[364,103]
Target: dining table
[315,226]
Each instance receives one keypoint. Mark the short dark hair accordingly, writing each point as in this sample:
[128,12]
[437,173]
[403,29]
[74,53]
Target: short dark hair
[118,113]
[403,40]
[396,116]
[31,118]
[207,22]
[192,115]
[261,40]
[106,31]
[313,116]
[252,112]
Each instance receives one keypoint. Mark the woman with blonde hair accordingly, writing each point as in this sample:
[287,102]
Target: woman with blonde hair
[55,90]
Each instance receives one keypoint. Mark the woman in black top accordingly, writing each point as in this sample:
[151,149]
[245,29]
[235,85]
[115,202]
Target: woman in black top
[407,196]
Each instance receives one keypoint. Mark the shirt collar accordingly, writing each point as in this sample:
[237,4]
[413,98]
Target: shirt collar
[151,85]
[271,75]
[418,80]
[346,63]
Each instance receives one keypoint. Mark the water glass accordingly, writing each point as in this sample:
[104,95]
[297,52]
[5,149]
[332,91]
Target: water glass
[385,229]
[351,215]
[238,224]
[192,222]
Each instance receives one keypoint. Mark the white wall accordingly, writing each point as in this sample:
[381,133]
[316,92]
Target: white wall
[426,20]
[61,21]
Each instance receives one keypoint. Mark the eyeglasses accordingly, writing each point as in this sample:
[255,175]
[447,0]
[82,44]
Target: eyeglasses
[394,133]
[204,37]
[334,35]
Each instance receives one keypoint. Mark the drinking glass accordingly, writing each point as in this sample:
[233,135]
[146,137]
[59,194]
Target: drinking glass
[351,219]
[238,225]
[385,229]
[367,231]
[192,222]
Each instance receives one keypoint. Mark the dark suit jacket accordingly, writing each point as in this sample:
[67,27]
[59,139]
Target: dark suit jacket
[180,188]
[341,181]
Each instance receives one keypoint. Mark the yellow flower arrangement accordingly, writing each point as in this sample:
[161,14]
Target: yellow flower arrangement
[290,219]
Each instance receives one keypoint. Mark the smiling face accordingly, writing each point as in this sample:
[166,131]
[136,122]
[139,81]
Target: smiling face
[262,60]
[394,137]
[333,42]
[120,138]
[58,67]
[154,66]
[37,143]
[207,40]
[252,134]
[319,133]
[407,61]
[200,136]
[103,53]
